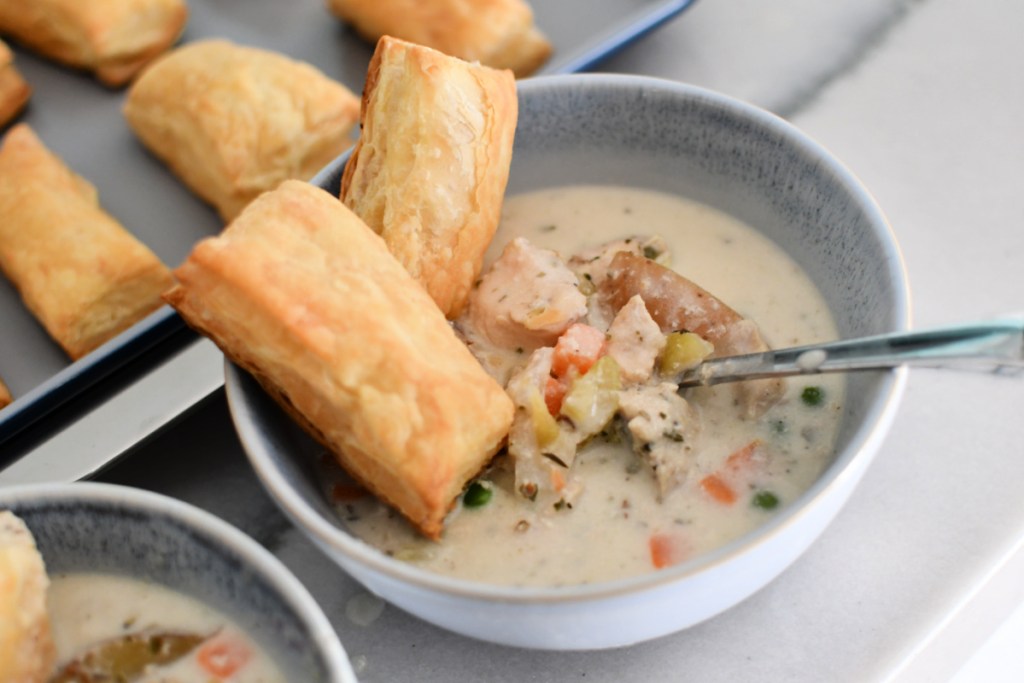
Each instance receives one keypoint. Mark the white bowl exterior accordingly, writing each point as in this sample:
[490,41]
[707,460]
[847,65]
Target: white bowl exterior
[625,617]
[642,608]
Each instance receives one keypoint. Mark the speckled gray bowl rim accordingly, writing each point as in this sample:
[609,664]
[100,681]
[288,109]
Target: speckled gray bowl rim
[865,439]
[210,527]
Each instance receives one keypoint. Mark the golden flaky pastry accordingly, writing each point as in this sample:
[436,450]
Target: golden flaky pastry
[14,91]
[430,167]
[498,33]
[235,121]
[5,394]
[113,38]
[302,294]
[82,275]
[26,648]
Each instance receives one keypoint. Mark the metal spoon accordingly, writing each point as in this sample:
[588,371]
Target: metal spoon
[996,346]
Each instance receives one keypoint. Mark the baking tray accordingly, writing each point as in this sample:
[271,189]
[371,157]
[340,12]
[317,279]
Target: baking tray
[81,121]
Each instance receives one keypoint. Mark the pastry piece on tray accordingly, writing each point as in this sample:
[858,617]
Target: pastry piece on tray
[234,121]
[498,33]
[303,295]
[5,395]
[430,167]
[82,275]
[26,648]
[112,38]
[14,91]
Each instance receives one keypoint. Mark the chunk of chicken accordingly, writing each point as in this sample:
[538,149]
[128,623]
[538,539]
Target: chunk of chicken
[755,396]
[664,428]
[676,303]
[634,341]
[527,299]
[591,265]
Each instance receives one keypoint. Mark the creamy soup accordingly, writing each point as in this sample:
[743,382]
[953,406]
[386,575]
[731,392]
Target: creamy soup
[100,618]
[650,487]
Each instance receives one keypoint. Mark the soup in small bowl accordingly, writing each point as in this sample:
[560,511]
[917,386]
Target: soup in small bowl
[674,505]
[139,586]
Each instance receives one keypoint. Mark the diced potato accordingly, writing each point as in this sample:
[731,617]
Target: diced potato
[593,398]
[545,428]
[683,351]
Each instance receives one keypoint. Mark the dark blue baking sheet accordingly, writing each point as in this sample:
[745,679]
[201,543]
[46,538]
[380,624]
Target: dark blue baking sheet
[81,121]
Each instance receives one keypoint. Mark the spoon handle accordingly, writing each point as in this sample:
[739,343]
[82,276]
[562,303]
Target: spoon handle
[996,346]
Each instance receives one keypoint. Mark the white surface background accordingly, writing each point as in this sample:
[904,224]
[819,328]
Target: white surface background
[923,101]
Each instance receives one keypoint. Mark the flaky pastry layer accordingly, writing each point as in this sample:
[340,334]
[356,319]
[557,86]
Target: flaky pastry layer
[302,294]
[5,395]
[112,38]
[14,91]
[498,33]
[430,168]
[27,652]
[234,121]
[82,275]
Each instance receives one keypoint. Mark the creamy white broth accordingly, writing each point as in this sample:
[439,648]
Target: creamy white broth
[87,609]
[606,533]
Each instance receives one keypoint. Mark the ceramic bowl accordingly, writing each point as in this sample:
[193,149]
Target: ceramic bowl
[641,132]
[103,528]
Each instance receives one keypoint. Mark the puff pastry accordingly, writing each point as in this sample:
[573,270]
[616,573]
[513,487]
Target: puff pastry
[14,91]
[302,294]
[234,121]
[498,33]
[5,395]
[78,270]
[26,648]
[430,167]
[112,38]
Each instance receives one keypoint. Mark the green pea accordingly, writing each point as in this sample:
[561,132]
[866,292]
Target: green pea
[477,495]
[766,500]
[813,396]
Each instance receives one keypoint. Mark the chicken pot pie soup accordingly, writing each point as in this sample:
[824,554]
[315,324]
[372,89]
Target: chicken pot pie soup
[109,627]
[86,627]
[586,312]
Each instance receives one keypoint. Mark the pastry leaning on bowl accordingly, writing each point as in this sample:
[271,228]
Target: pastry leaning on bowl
[300,292]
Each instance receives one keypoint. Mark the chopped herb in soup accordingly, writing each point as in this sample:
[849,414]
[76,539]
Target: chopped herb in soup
[610,470]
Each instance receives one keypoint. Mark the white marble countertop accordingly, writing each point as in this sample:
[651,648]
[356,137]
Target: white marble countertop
[923,100]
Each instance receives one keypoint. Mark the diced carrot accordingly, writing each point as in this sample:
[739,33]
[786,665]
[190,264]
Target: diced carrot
[343,492]
[557,479]
[554,392]
[718,489]
[223,656]
[578,348]
[742,458]
[666,550]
